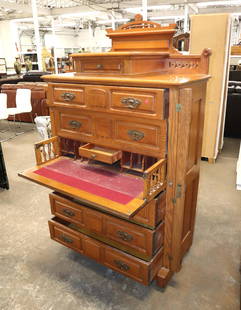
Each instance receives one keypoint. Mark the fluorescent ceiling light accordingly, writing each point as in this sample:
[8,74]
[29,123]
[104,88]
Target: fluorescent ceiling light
[153,7]
[81,14]
[109,21]
[216,3]
[167,17]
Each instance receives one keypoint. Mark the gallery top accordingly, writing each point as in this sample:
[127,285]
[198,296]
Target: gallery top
[142,52]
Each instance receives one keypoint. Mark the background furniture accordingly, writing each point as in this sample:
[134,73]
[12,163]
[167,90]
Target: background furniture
[3,106]
[23,104]
[233,113]
[3,67]
[38,99]
[3,173]
[135,116]
[181,41]
[213,30]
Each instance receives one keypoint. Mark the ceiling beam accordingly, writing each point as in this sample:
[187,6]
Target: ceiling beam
[212,10]
[21,10]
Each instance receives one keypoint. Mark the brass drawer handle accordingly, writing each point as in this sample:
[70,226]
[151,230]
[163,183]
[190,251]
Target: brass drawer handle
[136,135]
[68,96]
[93,156]
[131,103]
[75,124]
[66,239]
[121,265]
[99,66]
[68,212]
[124,235]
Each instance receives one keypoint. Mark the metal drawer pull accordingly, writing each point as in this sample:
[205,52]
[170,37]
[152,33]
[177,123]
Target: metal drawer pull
[136,135]
[75,124]
[68,96]
[131,103]
[124,235]
[99,66]
[66,239]
[68,212]
[121,265]
[93,156]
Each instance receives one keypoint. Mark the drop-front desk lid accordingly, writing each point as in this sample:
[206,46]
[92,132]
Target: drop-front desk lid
[115,192]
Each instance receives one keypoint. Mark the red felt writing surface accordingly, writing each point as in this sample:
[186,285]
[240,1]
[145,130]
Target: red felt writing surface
[114,186]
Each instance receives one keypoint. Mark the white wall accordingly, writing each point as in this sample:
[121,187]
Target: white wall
[8,38]
[83,39]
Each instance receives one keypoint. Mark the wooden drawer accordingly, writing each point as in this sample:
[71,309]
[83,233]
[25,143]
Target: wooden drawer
[68,95]
[148,103]
[136,101]
[131,134]
[133,267]
[134,133]
[95,152]
[153,213]
[101,65]
[129,237]
[73,125]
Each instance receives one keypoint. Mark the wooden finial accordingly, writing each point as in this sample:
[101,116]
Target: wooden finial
[138,17]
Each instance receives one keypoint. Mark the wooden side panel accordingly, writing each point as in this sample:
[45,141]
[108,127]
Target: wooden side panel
[171,178]
[190,124]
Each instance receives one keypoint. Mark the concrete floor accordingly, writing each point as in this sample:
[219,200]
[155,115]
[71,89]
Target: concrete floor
[37,273]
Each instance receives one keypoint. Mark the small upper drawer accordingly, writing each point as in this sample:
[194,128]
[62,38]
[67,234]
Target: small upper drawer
[138,101]
[101,65]
[68,95]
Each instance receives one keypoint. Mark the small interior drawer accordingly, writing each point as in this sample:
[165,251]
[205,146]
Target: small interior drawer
[99,153]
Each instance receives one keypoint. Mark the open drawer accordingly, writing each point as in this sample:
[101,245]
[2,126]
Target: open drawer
[105,188]
[96,152]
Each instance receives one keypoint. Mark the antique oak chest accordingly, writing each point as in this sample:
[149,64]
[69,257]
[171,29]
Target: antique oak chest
[123,159]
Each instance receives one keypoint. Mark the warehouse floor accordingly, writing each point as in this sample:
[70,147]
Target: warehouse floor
[37,273]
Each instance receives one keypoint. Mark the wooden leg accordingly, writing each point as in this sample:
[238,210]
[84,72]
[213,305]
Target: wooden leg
[163,276]
[211,160]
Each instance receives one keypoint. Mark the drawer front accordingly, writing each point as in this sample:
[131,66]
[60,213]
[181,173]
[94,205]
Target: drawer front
[147,103]
[137,133]
[125,265]
[66,237]
[68,96]
[100,65]
[127,234]
[136,102]
[62,209]
[133,267]
[150,215]
[73,125]
[132,238]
